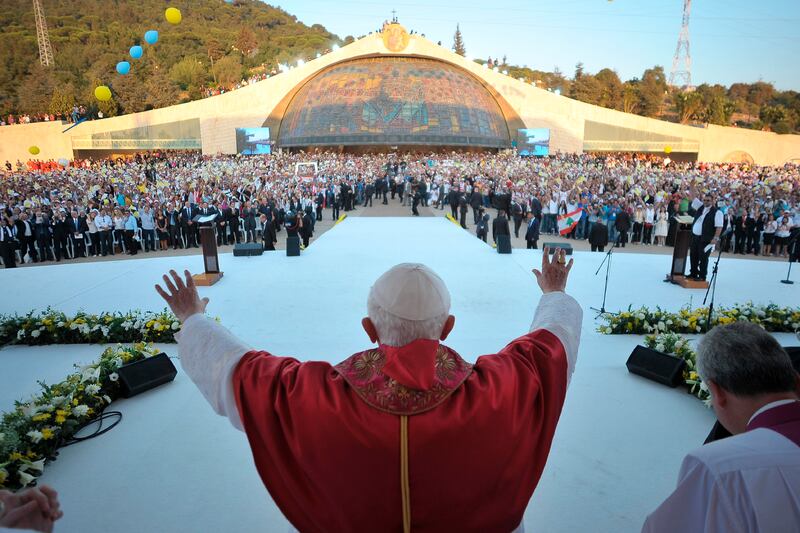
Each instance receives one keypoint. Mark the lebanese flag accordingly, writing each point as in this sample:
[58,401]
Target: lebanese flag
[567,223]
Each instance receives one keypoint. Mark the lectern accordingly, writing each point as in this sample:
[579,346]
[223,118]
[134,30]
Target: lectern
[683,238]
[208,241]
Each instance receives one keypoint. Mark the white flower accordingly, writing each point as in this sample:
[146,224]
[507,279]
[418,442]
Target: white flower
[58,400]
[659,347]
[35,436]
[117,362]
[640,316]
[74,326]
[93,388]
[126,325]
[661,325]
[137,324]
[35,333]
[60,324]
[37,465]
[106,398]
[25,478]
[20,333]
[96,327]
[669,322]
[761,313]
[105,331]
[90,374]
[175,326]
[80,410]
[113,376]
[699,329]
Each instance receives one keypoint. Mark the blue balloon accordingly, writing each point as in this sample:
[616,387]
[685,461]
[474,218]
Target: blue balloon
[123,67]
[151,37]
[136,51]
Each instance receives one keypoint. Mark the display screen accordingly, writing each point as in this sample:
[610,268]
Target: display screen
[251,141]
[533,142]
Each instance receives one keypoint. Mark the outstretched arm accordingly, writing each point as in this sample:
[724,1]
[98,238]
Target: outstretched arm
[209,352]
[558,313]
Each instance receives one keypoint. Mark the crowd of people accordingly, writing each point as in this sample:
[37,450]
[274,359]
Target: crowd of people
[92,208]
[77,113]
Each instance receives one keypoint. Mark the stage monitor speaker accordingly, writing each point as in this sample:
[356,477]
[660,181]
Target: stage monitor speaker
[656,366]
[504,244]
[135,378]
[292,246]
[553,246]
[248,249]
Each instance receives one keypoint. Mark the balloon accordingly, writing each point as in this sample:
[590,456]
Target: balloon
[173,15]
[102,93]
[151,37]
[34,150]
[136,51]
[64,162]
[668,149]
[123,67]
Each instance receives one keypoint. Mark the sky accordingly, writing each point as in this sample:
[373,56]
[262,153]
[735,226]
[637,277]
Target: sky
[731,40]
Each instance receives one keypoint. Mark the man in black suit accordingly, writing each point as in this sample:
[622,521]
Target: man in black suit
[536,209]
[598,236]
[60,231]
[476,202]
[188,226]
[334,199]
[8,243]
[369,191]
[532,232]
[622,225]
[26,235]
[707,226]
[482,227]
[77,228]
[43,235]
[462,208]
[173,216]
[516,213]
[500,226]
[318,203]
[452,200]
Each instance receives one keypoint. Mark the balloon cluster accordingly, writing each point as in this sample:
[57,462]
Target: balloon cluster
[173,16]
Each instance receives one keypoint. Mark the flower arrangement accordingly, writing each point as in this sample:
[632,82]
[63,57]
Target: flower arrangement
[674,344]
[32,433]
[644,321]
[55,327]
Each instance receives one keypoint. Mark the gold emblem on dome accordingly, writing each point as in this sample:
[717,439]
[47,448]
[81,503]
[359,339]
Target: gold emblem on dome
[395,37]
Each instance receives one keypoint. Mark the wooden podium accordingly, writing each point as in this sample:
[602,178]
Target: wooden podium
[210,259]
[683,238]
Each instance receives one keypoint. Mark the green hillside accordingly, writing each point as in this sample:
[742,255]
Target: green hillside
[89,37]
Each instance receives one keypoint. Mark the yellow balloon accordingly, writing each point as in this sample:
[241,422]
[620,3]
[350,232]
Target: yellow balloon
[102,93]
[668,149]
[34,150]
[173,15]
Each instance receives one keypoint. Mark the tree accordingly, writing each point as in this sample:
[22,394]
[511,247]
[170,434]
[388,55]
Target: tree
[578,70]
[63,99]
[214,53]
[760,93]
[652,89]
[188,73]
[689,106]
[587,89]
[458,43]
[630,96]
[36,90]
[246,42]
[228,70]
[611,89]
[161,92]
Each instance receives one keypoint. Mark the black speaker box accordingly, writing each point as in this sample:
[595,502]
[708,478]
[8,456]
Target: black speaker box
[292,246]
[248,249]
[553,246]
[135,378]
[504,244]
[656,366]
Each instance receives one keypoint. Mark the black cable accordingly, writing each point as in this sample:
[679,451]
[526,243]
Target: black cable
[99,431]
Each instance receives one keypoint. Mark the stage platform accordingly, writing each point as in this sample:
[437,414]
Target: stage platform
[172,465]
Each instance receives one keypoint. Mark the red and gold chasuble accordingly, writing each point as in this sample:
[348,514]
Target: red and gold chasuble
[404,439]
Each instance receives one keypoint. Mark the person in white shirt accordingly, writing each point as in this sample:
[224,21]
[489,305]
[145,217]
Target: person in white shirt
[749,482]
[708,222]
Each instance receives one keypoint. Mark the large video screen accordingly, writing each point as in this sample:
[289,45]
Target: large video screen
[251,141]
[534,142]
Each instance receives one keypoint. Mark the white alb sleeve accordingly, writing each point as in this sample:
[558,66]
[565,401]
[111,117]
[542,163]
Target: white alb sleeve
[561,315]
[209,354]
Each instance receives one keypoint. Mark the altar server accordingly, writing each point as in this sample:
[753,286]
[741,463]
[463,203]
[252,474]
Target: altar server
[405,436]
[749,482]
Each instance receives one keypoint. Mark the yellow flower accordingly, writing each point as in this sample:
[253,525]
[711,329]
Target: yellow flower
[109,319]
[41,417]
[47,433]
[3,476]
[149,324]
[15,456]
[693,376]
[60,419]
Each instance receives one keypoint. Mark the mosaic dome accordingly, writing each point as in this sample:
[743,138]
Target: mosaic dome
[393,100]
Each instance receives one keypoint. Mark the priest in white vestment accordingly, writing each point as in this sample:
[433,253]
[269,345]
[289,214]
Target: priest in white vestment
[749,482]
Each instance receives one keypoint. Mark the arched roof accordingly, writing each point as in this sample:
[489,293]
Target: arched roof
[393,100]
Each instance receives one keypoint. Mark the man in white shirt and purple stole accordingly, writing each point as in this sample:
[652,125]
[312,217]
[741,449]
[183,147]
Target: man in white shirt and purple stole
[749,482]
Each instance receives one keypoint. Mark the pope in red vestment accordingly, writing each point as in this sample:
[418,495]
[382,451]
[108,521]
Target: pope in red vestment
[406,436]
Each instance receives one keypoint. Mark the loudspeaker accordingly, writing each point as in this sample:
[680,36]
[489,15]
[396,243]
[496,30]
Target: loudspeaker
[553,246]
[135,378]
[292,246]
[248,249]
[656,366]
[504,244]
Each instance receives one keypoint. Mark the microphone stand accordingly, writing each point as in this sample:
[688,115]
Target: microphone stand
[712,287]
[792,244]
[607,262]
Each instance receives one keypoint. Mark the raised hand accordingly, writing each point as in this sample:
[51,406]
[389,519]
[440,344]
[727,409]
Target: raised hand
[554,273]
[182,297]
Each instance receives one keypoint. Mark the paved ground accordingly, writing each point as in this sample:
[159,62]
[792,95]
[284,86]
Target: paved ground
[395,209]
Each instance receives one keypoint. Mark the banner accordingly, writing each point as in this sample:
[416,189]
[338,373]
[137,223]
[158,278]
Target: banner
[567,223]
